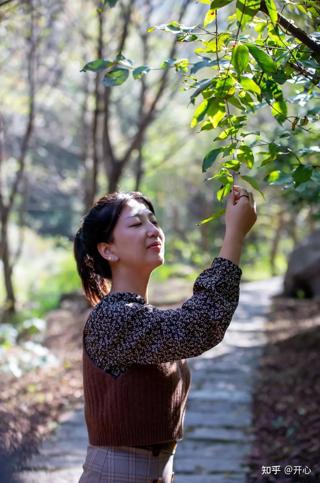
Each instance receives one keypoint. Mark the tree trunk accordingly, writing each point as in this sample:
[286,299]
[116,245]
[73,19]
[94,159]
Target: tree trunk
[114,177]
[10,300]
[114,165]
[275,243]
[7,206]
[92,171]
[139,170]
[292,229]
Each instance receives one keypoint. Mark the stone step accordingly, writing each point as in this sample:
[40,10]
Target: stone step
[217,478]
[204,435]
[70,475]
[231,419]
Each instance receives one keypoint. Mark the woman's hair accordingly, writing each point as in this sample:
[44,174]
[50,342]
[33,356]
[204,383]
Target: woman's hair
[97,226]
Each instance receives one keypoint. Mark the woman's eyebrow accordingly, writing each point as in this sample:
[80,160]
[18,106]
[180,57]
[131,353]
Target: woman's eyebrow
[141,213]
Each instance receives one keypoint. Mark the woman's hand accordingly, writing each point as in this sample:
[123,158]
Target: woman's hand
[240,216]
[240,213]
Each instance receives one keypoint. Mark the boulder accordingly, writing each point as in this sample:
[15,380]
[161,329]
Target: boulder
[303,273]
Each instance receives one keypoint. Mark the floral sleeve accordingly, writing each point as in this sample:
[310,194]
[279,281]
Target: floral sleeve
[123,329]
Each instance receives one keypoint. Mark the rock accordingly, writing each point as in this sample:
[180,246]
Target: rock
[303,273]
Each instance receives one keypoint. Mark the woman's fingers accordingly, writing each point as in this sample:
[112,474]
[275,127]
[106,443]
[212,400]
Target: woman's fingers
[238,192]
[241,193]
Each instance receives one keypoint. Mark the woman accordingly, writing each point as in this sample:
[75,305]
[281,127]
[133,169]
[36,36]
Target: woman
[136,379]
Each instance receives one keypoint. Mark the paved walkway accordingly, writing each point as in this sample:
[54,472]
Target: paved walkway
[218,418]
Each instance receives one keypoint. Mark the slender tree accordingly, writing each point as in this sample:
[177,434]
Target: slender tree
[8,201]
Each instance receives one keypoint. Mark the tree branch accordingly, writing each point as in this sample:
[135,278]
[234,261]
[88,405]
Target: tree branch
[31,107]
[107,146]
[295,31]
[5,2]
[163,81]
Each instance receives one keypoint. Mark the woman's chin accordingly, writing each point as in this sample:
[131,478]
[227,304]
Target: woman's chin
[160,261]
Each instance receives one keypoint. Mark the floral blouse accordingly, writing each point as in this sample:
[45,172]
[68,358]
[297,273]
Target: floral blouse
[122,329]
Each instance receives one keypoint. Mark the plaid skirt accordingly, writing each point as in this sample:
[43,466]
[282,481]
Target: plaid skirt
[124,464]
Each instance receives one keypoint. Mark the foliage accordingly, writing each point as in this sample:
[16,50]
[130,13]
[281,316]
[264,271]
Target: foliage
[47,270]
[259,59]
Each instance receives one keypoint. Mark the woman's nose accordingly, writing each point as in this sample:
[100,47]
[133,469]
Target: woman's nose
[153,228]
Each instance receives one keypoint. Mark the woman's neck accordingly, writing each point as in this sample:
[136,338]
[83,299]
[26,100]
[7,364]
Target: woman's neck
[129,281]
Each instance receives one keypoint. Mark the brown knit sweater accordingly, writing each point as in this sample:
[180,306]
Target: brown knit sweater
[144,407]
[135,376]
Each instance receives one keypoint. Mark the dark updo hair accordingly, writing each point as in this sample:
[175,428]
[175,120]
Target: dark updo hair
[97,226]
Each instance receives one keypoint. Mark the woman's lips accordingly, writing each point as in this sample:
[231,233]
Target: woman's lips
[156,247]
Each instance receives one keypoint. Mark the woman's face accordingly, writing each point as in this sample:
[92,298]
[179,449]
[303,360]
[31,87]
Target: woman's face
[136,229]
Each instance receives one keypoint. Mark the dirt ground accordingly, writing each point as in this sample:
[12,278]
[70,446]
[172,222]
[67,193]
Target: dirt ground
[30,406]
[285,407]
[287,395]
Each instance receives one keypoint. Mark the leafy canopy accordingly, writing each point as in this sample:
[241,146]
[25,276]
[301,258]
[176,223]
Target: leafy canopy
[261,59]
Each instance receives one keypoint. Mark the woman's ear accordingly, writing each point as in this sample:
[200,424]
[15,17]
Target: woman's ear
[105,251]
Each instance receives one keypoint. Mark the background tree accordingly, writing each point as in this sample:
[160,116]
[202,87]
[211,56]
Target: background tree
[8,198]
[114,159]
[249,61]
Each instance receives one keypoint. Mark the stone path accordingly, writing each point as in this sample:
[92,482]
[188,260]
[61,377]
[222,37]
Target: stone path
[218,418]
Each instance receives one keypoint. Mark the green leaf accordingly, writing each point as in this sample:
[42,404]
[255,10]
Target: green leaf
[250,85]
[182,65]
[186,37]
[209,18]
[206,126]
[278,178]
[215,112]
[199,113]
[219,3]
[226,133]
[212,217]
[224,191]
[279,110]
[264,60]
[216,118]
[272,10]
[224,176]
[274,35]
[302,174]
[246,10]
[115,77]
[280,76]
[123,61]
[225,86]
[245,155]
[173,26]
[167,63]
[246,100]
[260,25]
[201,86]
[140,71]
[253,182]
[235,102]
[210,158]
[240,58]
[233,164]
[96,65]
